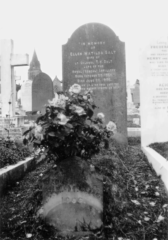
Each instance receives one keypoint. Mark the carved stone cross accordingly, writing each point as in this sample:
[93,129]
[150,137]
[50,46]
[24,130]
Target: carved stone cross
[8,61]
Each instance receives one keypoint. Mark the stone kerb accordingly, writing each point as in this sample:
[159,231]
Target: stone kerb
[154,102]
[10,174]
[159,164]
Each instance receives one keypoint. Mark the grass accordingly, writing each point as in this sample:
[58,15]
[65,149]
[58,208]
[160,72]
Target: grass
[135,201]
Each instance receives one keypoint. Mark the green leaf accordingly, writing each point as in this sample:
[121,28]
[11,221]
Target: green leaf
[59,135]
[52,134]
[37,142]
[69,125]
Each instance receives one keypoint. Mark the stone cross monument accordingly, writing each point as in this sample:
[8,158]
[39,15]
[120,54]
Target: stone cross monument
[8,61]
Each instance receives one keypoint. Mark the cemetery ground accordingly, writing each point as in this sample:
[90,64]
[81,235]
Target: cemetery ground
[135,200]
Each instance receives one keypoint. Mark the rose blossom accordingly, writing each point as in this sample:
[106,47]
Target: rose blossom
[58,101]
[63,119]
[76,88]
[111,126]
[38,131]
[79,110]
[100,116]
[54,101]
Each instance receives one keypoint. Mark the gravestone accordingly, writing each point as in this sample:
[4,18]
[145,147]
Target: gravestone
[57,85]
[94,58]
[136,93]
[42,91]
[26,95]
[8,127]
[154,92]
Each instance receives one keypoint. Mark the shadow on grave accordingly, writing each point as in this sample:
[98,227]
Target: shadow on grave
[72,197]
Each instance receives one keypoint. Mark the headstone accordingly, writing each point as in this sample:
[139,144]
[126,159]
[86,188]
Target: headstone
[94,57]
[42,91]
[8,128]
[154,92]
[8,89]
[136,93]
[129,95]
[26,95]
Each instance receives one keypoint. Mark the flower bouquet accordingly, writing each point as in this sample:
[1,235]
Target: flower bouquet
[69,128]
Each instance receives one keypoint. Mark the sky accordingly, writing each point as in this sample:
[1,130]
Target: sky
[45,25]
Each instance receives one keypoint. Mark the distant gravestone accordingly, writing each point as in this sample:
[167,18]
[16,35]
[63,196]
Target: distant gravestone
[8,128]
[26,95]
[94,57]
[42,91]
[57,85]
[136,93]
[154,92]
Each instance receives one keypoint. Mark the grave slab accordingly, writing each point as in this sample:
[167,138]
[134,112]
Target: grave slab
[72,197]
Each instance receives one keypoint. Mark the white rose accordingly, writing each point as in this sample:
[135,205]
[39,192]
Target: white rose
[85,97]
[54,101]
[76,88]
[111,126]
[79,110]
[38,128]
[38,131]
[100,116]
[59,100]
[63,119]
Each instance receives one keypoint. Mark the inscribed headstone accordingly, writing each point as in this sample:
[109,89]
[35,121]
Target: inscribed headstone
[94,57]
[154,92]
[8,127]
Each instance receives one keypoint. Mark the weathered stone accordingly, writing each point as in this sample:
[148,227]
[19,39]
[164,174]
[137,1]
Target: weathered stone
[42,91]
[8,61]
[26,95]
[72,197]
[94,57]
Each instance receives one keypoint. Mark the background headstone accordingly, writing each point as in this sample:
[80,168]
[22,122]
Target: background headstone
[8,127]
[42,91]
[135,91]
[94,57]
[26,95]
[154,92]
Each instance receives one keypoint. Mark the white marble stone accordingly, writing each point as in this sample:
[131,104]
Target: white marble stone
[7,63]
[26,95]
[154,92]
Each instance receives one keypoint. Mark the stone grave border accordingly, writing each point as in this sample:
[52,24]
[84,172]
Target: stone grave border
[14,173]
[159,164]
